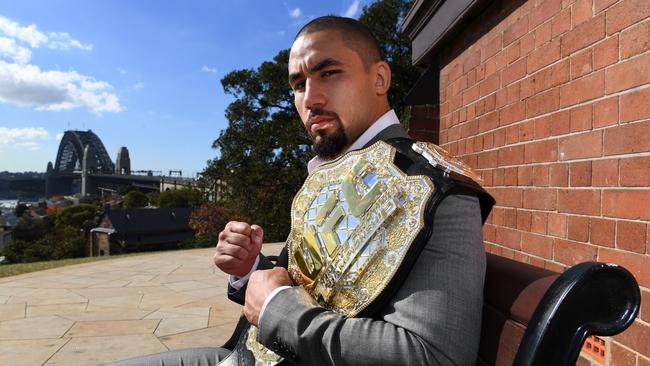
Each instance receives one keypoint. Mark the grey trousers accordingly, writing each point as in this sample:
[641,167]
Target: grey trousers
[207,356]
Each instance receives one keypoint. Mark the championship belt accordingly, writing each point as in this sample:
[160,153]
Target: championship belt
[353,225]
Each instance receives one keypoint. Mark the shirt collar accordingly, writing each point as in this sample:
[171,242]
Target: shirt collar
[387,119]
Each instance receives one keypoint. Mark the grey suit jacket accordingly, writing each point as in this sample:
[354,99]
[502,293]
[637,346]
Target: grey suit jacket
[433,319]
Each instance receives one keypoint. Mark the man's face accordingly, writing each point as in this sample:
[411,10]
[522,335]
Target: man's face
[333,91]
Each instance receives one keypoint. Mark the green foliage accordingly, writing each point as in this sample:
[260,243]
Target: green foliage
[82,216]
[30,230]
[135,199]
[153,197]
[184,197]
[20,209]
[263,153]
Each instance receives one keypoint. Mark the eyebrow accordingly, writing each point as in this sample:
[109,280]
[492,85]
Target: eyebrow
[318,67]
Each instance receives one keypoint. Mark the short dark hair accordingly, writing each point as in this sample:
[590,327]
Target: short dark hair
[355,35]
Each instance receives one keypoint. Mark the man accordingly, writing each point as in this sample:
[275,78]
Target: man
[340,84]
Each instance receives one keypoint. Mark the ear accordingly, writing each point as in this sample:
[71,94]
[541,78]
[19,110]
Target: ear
[382,77]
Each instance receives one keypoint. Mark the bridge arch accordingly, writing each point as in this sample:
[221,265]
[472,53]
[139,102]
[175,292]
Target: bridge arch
[71,151]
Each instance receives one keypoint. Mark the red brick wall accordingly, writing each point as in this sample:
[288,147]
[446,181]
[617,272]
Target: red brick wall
[550,101]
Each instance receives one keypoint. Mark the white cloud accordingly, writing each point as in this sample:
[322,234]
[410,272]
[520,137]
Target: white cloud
[295,13]
[9,49]
[59,136]
[210,70]
[121,71]
[35,38]
[139,85]
[21,135]
[352,10]
[27,85]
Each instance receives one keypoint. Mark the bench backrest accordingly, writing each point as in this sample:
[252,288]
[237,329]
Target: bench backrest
[533,316]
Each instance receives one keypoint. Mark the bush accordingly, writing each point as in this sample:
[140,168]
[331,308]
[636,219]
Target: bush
[135,199]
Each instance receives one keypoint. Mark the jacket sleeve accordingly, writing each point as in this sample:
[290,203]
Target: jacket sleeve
[239,296]
[434,318]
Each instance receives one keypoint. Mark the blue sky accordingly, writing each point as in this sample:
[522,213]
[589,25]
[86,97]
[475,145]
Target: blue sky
[141,74]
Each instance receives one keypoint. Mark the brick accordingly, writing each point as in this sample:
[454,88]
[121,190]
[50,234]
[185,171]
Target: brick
[581,118]
[557,225]
[512,134]
[510,176]
[489,85]
[538,245]
[501,98]
[540,198]
[488,122]
[543,34]
[544,11]
[555,267]
[627,139]
[604,173]
[627,204]
[560,123]
[490,102]
[559,175]
[512,113]
[572,253]
[527,44]
[628,74]
[541,151]
[515,31]
[543,103]
[487,159]
[524,176]
[473,60]
[550,77]
[499,137]
[606,112]
[584,145]
[635,40]
[626,13]
[583,35]
[513,52]
[606,52]
[602,232]
[583,89]
[635,105]
[580,174]
[514,72]
[510,197]
[645,305]
[526,131]
[581,64]
[491,48]
[635,172]
[579,201]
[513,155]
[538,222]
[541,176]
[578,228]
[600,5]
[621,356]
[542,127]
[509,237]
[581,12]
[469,95]
[636,336]
[510,218]
[630,236]
[524,220]
[561,23]
[544,56]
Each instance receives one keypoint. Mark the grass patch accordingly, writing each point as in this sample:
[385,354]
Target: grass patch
[7,270]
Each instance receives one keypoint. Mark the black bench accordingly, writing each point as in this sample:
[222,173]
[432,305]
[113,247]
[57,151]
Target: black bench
[533,316]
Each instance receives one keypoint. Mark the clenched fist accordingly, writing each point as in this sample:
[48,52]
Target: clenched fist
[238,247]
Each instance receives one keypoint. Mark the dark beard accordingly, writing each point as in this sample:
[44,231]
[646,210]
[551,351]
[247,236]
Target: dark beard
[330,146]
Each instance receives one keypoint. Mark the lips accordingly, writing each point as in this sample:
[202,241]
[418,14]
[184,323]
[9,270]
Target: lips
[320,122]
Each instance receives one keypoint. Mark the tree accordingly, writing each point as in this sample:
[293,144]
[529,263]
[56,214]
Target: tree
[184,197]
[82,217]
[20,209]
[135,199]
[208,221]
[263,153]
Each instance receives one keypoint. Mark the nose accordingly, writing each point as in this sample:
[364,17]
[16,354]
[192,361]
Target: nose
[314,95]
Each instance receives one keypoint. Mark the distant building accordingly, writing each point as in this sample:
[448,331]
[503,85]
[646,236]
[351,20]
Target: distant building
[140,229]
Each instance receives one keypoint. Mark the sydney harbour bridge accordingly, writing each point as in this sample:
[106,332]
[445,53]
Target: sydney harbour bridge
[83,166]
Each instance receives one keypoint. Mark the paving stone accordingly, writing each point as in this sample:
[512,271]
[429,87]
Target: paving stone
[34,328]
[94,312]
[224,313]
[89,351]
[179,312]
[111,327]
[12,311]
[28,352]
[58,309]
[170,326]
[209,337]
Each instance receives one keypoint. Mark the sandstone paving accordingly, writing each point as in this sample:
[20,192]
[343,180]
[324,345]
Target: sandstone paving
[94,313]
[29,352]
